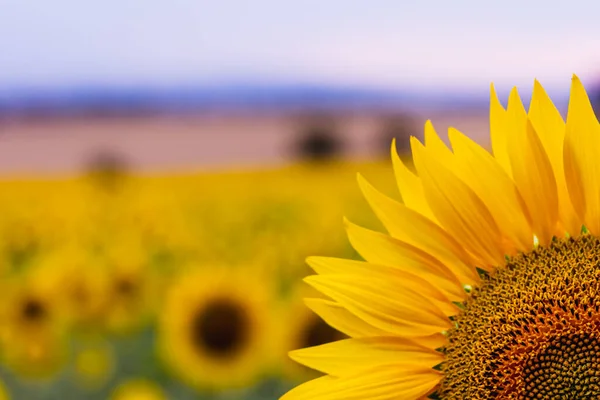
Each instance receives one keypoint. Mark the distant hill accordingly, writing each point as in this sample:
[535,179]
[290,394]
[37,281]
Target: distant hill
[240,97]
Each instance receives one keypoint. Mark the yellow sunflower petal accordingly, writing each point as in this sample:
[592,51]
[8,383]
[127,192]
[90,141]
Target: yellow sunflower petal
[378,248]
[425,282]
[581,155]
[309,389]
[459,210]
[352,356]
[343,320]
[434,341]
[480,171]
[401,312]
[436,146]
[413,228]
[409,186]
[339,318]
[382,383]
[550,128]
[498,131]
[532,171]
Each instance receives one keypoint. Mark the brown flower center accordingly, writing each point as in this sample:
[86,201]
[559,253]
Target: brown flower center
[531,330]
[221,328]
[33,310]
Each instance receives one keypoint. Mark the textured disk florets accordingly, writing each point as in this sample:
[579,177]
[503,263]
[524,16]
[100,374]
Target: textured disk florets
[531,330]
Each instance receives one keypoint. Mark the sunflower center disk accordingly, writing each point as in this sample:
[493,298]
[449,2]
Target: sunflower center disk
[33,310]
[220,329]
[126,287]
[574,360]
[532,329]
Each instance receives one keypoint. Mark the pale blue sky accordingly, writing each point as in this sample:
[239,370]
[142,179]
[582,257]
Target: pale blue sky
[394,44]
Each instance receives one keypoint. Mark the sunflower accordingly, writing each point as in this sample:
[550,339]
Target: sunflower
[21,241]
[83,284]
[487,284]
[214,328]
[133,288]
[33,327]
[94,363]
[138,389]
[299,327]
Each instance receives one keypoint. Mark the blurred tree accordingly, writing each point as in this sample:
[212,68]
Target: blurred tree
[318,140]
[107,168]
[399,126]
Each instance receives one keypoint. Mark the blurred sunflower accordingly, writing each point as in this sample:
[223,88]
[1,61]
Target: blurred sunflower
[83,284]
[94,363]
[21,241]
[138,389]
[33,327]
[214,328]
[486,286]
[155,222]
[134,288]
[299,327]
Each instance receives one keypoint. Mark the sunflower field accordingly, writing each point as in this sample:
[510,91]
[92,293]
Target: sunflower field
[183,286]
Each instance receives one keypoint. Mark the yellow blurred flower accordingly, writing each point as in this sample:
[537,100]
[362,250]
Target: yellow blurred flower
[134,288]
[299,328]
[33,329]
[82,286]
[214,327]
[138,390]
[94,363]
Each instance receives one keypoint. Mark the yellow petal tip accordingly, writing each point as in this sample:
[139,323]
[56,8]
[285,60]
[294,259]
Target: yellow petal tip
[310,280]
[414,141]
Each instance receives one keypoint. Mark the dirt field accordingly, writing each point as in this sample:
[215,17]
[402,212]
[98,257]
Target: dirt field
[159,143]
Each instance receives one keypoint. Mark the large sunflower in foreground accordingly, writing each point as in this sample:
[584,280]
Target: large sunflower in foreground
[488,283]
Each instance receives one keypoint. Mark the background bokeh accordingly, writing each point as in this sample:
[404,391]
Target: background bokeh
[166,168]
